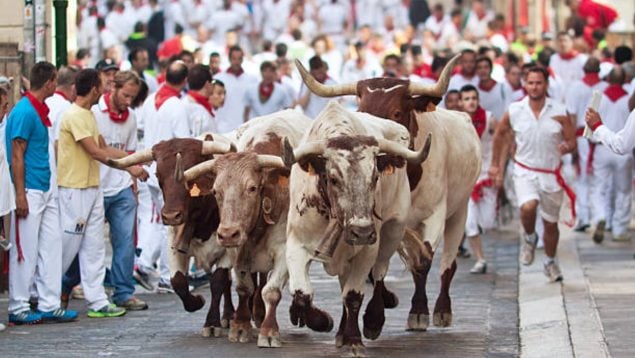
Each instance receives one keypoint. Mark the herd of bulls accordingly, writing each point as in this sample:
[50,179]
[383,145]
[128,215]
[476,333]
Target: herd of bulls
[348,189]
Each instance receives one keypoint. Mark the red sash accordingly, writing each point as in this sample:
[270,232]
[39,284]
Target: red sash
[589,163]
[477,192]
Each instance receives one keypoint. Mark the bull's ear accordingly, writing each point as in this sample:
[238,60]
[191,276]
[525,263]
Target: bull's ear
[208,137]
[386,163]
[313,164]
[280,177]
[425,103]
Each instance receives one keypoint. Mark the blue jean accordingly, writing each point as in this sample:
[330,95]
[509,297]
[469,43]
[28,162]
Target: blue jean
[120,213]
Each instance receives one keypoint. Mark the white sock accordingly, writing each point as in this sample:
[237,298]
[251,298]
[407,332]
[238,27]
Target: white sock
[549,260]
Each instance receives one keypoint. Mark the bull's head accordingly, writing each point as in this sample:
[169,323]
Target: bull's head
[390,98]
[172,158]
[250,189]
[348,168]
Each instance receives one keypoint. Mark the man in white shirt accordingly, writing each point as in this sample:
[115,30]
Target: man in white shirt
[479,17]
[435,22]
[139,60]
[567,63]
[275,16]
[492,95]
[513,83]
[268,96]
[612,188]
[236,81]
[332,21]
[467,76]
[542,132]
[200,114]
[451,30]
[578,98]
[223,20]
[311,103]
[117,125]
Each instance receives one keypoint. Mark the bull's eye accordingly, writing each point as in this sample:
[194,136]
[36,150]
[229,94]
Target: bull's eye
[252,189]
[333,181]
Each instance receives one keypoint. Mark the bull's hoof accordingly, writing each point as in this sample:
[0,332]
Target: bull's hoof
[354,350]
[373,333]
[318,320]
[212,332]
[390,299]
[225,322]
[373,327]
[272,340]
[418,322]
[194,303]
[442,319]
[339,340]
[239,332]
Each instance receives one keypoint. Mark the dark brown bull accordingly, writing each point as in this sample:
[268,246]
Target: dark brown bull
[441,210]
[194,218]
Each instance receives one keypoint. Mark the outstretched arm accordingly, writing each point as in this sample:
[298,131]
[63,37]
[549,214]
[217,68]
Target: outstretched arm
[503,138]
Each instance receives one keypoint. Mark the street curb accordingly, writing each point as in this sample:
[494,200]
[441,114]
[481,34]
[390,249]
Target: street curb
[558,319]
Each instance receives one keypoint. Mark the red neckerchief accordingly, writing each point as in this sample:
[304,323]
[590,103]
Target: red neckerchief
[515,88]
[265,91]
[486,87]
[202,100]
[114,115]
[236,73]
[481,16]
[163,94]
[41,108]
[551,73]
[63,95]
[569,55]
[615,92]
[479,120]
[423,70]
[591,79]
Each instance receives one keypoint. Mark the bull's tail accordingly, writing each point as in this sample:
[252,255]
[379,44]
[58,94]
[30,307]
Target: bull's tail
[412,251]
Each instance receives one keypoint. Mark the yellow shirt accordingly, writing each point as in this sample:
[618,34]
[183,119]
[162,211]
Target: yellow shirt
[75,167]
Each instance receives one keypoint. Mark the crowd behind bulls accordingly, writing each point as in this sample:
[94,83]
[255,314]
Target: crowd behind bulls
[188,83]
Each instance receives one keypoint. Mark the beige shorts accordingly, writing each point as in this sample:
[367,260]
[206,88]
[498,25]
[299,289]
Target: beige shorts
[528,189]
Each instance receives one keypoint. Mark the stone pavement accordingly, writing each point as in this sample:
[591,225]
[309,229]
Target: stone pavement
[485,321]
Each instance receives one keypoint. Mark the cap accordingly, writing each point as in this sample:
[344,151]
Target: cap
[106,65]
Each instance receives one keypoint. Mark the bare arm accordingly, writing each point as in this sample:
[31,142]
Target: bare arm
[246,114]
[101,152]
[501,145]
[18,147]
[569,143]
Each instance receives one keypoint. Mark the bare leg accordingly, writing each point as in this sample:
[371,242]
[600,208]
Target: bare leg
[551,236]
[528,216]
[477,247]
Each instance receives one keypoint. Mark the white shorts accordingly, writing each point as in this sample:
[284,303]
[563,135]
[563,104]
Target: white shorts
[528,189]
[481,215]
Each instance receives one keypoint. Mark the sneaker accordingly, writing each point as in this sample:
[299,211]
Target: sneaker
[133,304]
[25,317]
[109,310]
[165,287]
[142,279]
[552,271]
[621,238]
[581,227]
[480,267]
[528,249]
[59,315]
[598,234]
[64,298]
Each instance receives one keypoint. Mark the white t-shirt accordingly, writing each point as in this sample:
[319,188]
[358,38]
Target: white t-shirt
[494,100]
[57,106]
[316,103]
[614,113]
[457,81]
[436,26]
[230,116]
[7,193]
[478,27]
[578,97]
[122,136]
[278,101]
[169,121]
[275,16]
[222,21]
[568,70]
[199,119]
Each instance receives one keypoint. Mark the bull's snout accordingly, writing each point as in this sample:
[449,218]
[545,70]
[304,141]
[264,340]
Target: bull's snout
[172,217]
[228,236]
[362,235]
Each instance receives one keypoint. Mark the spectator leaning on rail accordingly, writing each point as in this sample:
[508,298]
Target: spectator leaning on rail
[36,233]
[80,147]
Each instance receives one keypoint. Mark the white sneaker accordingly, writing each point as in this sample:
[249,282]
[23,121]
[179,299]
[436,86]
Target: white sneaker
[480,267]
[528,249]
[552,271]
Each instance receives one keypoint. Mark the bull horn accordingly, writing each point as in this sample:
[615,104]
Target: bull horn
[198,170]
[411,156]
[271,161]
[213,147]
[438,89]
[325,90]
[132,159]
[307,149]
[178,168]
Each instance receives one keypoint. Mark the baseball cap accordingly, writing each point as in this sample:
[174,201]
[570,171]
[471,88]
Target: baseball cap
[106,65]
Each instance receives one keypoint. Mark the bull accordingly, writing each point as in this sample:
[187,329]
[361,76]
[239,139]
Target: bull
[193,219]
[440,187]
[349,186]
[252,192]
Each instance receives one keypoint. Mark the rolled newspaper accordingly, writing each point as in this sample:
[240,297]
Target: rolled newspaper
[595,104]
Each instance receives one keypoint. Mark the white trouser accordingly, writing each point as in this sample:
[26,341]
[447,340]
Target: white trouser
[82,213]
[39,243]
[481,215]
[151,233]
[582,183]
[612,189]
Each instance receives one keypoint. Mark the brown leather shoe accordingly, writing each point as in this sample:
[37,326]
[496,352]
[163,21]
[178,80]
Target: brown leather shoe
[133,304]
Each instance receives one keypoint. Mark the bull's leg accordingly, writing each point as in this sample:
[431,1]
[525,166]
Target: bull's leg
[302,310]
[272,293]
[177,262]
[339,337]
[454,229]
[228,305]
[353,296]
[240,326]
[217,283]
[258,305]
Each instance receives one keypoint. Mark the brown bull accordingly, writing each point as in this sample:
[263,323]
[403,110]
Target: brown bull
[440,187]
[193,219]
